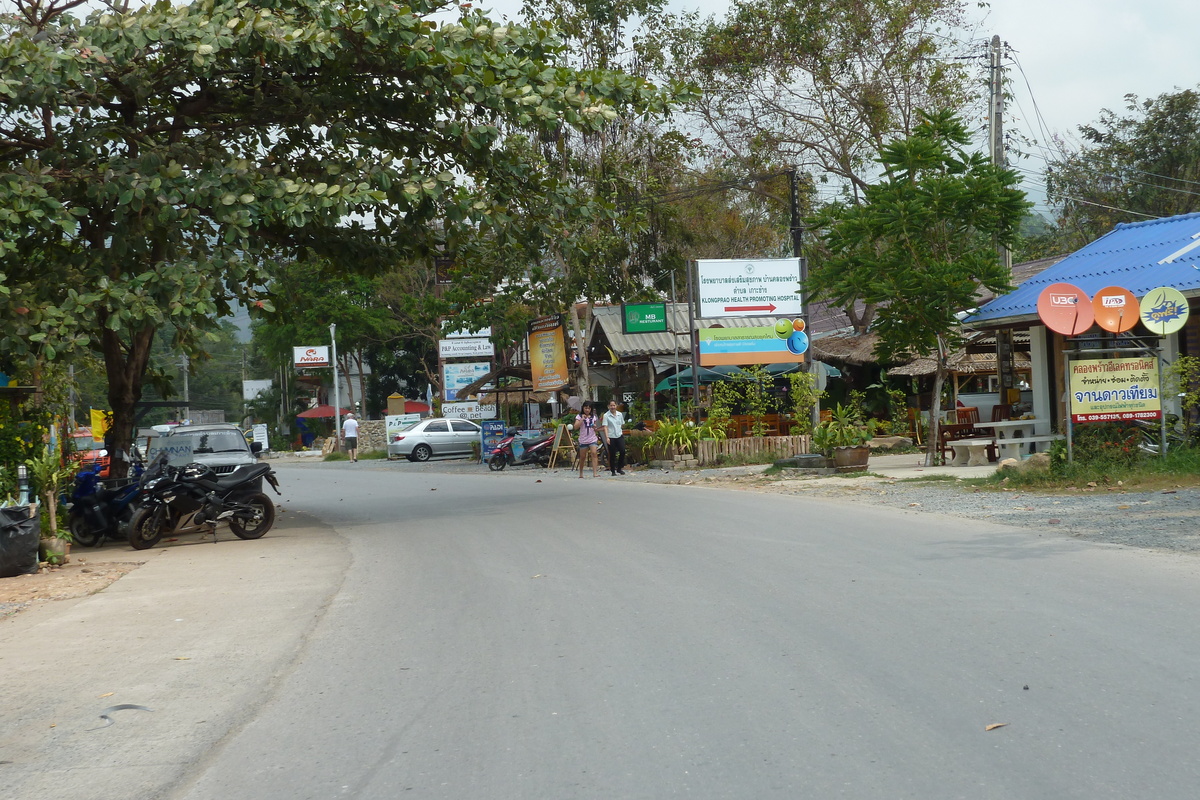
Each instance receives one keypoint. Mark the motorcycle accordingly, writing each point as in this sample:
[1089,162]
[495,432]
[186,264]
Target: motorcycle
[514,451]
[96,512]
[178,498]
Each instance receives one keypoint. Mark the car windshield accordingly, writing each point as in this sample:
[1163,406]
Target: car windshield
[83,443]
[212,441]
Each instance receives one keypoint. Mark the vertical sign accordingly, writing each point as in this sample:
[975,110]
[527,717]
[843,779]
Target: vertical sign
[548,353]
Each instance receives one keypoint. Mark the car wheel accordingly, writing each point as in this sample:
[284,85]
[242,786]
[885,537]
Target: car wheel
[422,452]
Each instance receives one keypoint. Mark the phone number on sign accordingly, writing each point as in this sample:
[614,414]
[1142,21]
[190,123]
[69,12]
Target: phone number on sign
[1119,417]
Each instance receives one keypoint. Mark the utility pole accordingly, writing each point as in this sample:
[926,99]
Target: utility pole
[996,123]
[187,396]
[337,399]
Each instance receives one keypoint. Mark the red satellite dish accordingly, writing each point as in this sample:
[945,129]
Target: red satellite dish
[1065,308]
[1116,309]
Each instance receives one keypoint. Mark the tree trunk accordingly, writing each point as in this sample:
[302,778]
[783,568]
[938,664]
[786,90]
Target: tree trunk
[935,408]
[585,380]
[126,369]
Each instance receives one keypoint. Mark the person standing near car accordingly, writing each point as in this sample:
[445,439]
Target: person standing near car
[587,423]
[350,431]
[614,437]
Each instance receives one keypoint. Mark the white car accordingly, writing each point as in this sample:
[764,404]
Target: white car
[423,440]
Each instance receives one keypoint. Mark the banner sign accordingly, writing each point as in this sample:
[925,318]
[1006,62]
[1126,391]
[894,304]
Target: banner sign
[785,342]
[1114,390]
[469,410]
[456,376]
[310,356]
[482,333]
[548,353]
[394,423]
[465,348]
[493,432]
[763,287]
[644,318]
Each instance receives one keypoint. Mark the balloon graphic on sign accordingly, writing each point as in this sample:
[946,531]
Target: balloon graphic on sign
[1066,309]
[1164,310]
[797,342]
[1116,309]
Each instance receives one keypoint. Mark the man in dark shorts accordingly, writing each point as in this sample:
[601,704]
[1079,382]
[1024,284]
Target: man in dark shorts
[350,431]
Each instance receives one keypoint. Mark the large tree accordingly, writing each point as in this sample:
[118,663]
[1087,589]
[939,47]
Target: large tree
[158,158]
[1143,164]
[922,243]
[821,84]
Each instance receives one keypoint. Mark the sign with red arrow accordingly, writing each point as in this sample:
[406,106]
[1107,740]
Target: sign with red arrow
[758,287]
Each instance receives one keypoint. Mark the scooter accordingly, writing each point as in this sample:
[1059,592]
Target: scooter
[97,512]
[177,498]
[515,451]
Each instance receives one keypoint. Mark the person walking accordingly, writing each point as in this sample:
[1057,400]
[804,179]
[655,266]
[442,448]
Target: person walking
[614,437]
[350,431]
[587,423]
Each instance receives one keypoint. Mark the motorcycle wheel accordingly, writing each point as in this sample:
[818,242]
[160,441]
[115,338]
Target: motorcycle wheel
[82,533]
[144,533]
[254,526]
[497,462]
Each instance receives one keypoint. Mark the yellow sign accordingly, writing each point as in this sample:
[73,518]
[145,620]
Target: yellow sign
[1115,389]
[548,354]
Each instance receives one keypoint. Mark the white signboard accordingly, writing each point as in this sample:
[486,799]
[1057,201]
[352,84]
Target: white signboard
[469,410]
[757,287]
[481,333]
[252,389]
[394,423]
[260,435]
[179,453]
[310,356]
[457,376]
[465,348]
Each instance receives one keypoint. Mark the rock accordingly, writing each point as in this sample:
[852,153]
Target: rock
[1037,461]
[890,442]
[1008,463]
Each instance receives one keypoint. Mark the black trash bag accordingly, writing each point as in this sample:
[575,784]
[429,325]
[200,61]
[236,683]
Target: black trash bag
[18,542]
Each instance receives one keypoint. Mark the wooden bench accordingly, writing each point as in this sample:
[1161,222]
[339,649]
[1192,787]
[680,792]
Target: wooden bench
[1015,448]
[971,452]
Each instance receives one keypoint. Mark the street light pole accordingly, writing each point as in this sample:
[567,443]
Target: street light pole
[337,399]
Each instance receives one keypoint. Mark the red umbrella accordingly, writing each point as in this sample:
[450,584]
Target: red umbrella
[320,412]
[413,407]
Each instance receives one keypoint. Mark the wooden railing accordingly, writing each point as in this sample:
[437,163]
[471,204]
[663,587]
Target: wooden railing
[752,448]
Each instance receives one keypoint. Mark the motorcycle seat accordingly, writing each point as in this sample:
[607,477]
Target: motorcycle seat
[243,474]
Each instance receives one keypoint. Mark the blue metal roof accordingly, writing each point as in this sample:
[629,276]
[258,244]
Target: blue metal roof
[1137,256]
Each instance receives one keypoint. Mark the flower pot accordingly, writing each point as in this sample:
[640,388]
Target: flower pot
[56,550]
[851,459]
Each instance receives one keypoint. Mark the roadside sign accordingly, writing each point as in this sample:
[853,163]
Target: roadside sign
[1114,389]
[310,356]
[785,342]
[467,410]
[465,348]
[1164,310]
[644,318]
[763,287]
[1065,308]
[490,435]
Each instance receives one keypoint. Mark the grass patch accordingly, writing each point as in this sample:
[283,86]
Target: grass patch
[1179,470]
[935,478]
[336,457]
[371,455]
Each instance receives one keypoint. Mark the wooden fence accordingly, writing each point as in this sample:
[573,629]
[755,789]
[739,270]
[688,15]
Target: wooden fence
[752,448]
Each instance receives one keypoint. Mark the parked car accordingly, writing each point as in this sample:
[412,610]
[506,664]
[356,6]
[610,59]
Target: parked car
[423,440]
[219,445]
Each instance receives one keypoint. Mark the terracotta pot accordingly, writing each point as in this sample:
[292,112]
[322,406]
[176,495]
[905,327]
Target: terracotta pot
[849,459]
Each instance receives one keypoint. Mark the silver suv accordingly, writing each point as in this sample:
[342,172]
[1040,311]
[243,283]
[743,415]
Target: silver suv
[219,445]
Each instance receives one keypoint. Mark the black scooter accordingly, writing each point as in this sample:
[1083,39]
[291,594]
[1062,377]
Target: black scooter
[97,511]
[177,498]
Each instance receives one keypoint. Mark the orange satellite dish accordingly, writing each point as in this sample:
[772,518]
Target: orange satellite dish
[1116,309]
[1065,308]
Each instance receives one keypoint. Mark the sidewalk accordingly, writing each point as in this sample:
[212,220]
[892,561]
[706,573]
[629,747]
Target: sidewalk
[197,634]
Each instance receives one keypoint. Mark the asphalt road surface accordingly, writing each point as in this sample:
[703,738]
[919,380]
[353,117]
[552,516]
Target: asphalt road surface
[532,635]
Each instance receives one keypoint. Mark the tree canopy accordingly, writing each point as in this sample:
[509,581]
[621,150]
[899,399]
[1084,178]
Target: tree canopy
[158,159]
[923,241]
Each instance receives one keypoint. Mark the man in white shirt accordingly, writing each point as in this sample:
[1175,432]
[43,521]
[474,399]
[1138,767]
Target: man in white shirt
[350,431]
[612,424]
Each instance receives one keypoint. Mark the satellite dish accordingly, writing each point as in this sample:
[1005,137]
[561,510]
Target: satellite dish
[1116,309]
[1164,310]
[1065,308]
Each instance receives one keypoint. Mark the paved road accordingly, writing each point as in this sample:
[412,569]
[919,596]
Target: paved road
[500,636]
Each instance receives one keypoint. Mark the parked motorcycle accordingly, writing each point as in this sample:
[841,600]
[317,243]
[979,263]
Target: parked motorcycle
[514,451]
[177,498]
[97,511]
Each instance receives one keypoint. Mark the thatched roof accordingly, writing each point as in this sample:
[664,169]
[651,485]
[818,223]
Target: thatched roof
[962,363]
[847,348]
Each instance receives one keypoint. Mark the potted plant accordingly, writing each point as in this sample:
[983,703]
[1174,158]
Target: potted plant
[51,475]
[844,438]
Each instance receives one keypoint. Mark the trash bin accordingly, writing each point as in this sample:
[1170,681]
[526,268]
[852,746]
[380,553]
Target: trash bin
[19,529]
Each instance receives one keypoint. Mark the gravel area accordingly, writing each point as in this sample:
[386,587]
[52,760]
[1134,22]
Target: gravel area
[1164,520]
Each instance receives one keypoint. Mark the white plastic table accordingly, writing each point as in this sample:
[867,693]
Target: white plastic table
[1010,429]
